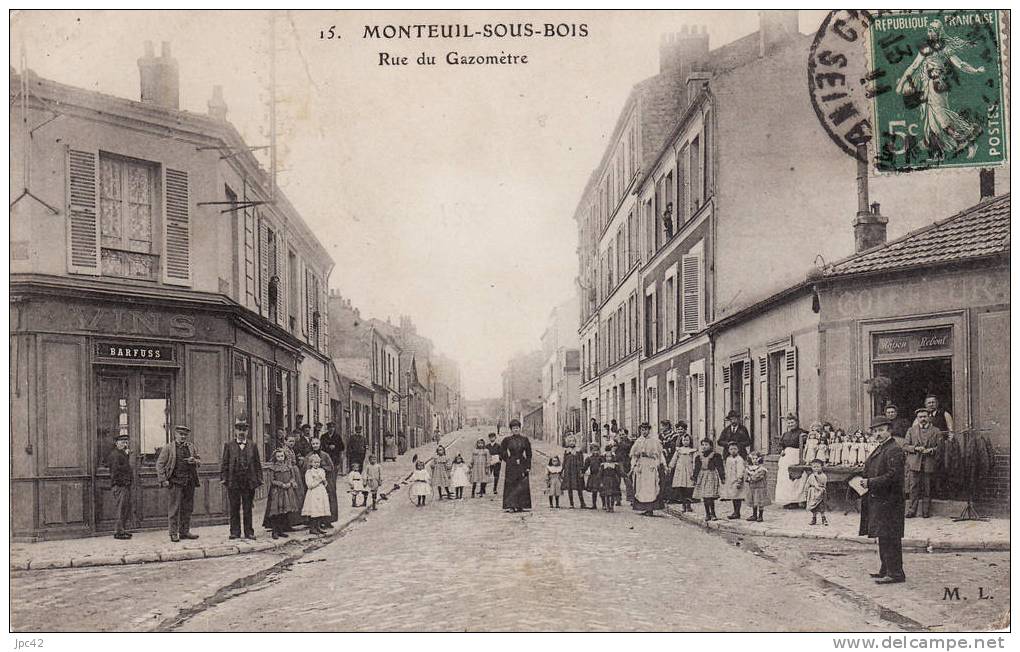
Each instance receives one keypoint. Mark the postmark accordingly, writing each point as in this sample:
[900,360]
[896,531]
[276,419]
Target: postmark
[855,67]
[946,106]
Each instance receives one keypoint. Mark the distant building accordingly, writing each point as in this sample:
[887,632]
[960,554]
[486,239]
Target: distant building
[522,386]
[561,372]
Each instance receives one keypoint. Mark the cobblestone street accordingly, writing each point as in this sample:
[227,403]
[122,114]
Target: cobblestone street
[467,565]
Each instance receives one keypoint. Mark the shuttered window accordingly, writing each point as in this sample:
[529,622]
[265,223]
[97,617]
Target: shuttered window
[695,172]
[313,318]
[263,268]
[82,223]
[177,228]
[691,303]
[250,259]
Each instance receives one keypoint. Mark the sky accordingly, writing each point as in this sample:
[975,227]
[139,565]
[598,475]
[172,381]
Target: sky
[445,193]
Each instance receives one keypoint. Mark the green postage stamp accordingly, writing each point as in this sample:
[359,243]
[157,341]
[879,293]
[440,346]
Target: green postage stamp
[941,98]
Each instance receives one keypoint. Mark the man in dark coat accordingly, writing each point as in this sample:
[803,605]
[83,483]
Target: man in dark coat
[241,474]
[882,506]
[356,449]
[177,470]
[515,451]
[121,478]
[495,463]
[734,433]
[303,444]
[333,445]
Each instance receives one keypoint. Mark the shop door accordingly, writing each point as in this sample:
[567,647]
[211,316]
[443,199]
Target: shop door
[137,402]
[911,381]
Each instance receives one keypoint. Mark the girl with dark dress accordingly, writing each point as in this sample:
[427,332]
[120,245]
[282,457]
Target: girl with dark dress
[709,475]
[592,466]
[282,500]
[610,477]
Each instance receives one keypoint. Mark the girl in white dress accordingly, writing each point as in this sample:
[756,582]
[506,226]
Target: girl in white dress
[316,506]
[459,476]
[421,483]
[682,466]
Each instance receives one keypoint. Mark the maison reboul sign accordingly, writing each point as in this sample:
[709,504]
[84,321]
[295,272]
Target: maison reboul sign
[907,342]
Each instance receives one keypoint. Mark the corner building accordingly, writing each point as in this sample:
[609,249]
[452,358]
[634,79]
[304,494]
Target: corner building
[155,280]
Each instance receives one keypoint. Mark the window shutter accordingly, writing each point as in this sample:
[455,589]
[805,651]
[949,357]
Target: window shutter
[747,409]
[263,299]
[323,321]
[282,282]
[176,228]
[691,268]
[726,389]
[308,305]
[790,373]
[702,432]
[82,219]
[763,403]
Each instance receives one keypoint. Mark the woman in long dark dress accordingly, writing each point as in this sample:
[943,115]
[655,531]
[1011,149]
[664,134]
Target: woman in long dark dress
[515,451]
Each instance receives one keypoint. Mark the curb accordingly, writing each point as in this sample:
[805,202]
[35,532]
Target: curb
[182,554]
[929,545]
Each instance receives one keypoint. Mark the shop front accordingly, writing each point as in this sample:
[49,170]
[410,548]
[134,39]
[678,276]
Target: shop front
[87,369]
[939,332]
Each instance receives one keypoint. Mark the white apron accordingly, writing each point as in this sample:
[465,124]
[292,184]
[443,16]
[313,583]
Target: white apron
[789,491]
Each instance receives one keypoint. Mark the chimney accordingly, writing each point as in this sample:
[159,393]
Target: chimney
[160,77]
[775,28]
[869,224]
[679,51]
[987,180]
[217,107]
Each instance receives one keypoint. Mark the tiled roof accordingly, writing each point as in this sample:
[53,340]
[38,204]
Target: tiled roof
[977,232]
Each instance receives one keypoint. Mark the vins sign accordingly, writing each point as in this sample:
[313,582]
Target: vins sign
[134,352]
[924,341]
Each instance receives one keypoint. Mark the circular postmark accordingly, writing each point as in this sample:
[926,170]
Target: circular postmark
[919,89]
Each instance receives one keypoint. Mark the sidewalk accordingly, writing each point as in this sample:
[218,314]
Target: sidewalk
[934,534]
[155,545]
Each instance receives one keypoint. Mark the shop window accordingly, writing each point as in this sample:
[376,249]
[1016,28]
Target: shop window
[154,407]
[135,403]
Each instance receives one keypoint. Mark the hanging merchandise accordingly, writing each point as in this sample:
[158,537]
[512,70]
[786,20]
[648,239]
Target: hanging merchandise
[967,464]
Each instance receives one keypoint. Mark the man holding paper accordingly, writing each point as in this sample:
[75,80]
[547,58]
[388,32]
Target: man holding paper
[882,507]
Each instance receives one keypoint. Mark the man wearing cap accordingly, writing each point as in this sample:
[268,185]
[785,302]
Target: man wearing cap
[177,469]
[241,474]
[121,478]
[303,444]
[333,444]
[922,443]
[882,506]
[734,433]
[356,449]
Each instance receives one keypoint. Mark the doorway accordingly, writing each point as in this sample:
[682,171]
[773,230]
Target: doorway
[137,402]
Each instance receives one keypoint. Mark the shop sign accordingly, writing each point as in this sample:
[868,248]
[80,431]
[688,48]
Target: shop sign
[907,342]
[126,351]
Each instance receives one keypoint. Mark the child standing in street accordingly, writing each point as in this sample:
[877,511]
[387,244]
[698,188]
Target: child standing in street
[682,466]
[440,469]
[708,475]
[316,506]
[573,471]
[480,474]
[459,476]
[373,480]
[592,466]
[816,492]
[282,499]
[420,484]
[733,487]
[610,476]
[356,482]
[757,487]
[554,481]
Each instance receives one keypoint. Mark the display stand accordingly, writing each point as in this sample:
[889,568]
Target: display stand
[969,513]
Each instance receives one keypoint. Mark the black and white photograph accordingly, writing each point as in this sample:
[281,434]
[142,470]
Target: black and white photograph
[509,321]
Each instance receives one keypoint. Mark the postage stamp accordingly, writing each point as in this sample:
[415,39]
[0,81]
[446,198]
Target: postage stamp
[940,100]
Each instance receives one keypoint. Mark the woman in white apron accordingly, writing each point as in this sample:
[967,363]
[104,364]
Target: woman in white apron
[790,493]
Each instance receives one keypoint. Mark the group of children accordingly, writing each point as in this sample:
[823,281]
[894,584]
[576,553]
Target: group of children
[603,472]
[836,448]
[444,474]
[294,497]
[705,475]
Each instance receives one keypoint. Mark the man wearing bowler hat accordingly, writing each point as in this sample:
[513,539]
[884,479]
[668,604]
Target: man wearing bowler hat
[882,506]
[734,433]
[241,474]
[177,469]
